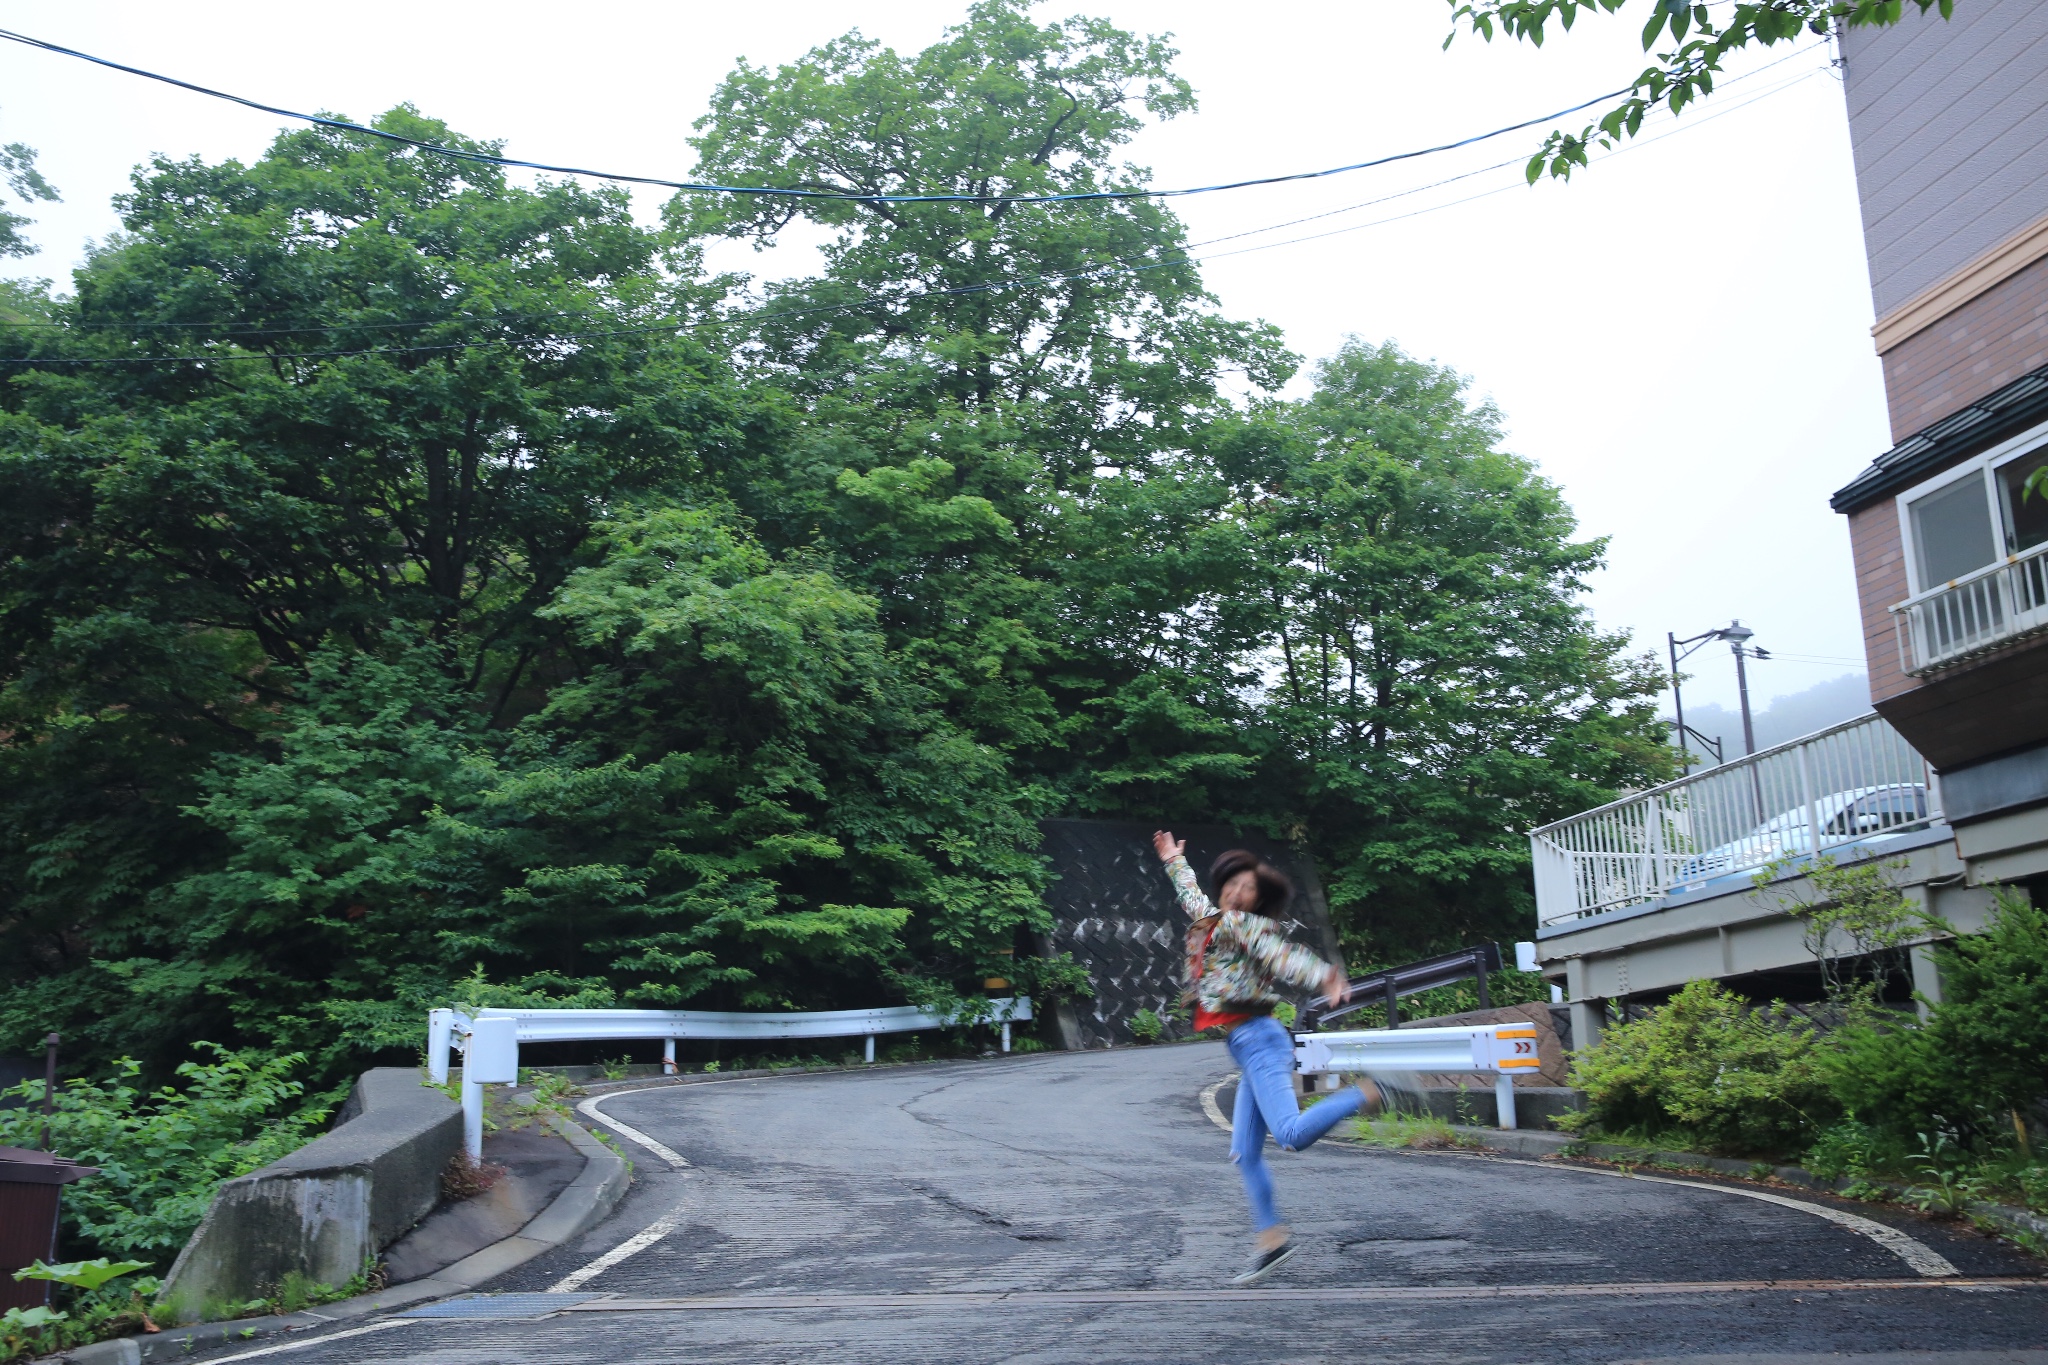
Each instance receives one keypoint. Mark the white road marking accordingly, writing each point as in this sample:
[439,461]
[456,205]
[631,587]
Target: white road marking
[632,1246]
[668,1154]
[313,1341]
[1211,1108]
[1924,1259]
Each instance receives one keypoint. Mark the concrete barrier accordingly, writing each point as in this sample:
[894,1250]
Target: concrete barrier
[328,1208]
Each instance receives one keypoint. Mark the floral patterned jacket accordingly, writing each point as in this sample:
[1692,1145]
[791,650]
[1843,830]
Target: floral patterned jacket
[1241,955]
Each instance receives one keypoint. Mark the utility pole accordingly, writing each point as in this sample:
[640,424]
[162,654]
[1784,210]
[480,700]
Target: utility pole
[1736,634]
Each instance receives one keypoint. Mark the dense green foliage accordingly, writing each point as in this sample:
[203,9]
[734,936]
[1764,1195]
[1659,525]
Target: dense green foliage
[1705,1065]
[161,1152]
[1974,1067]
[426,573]
[1955,1100]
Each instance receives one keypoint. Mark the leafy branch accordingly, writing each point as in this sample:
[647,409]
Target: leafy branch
[1683,74]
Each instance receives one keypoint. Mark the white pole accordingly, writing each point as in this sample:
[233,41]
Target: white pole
[1504,1099]
[440,1028]
[668,1056]
[1006,1035]
[871,1049]
[472,1117]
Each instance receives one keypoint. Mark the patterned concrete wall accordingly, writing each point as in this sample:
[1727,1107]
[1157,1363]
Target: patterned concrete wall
[1114,910]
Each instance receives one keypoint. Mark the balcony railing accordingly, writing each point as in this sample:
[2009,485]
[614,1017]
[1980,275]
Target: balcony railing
[1977,612]
[1854,783]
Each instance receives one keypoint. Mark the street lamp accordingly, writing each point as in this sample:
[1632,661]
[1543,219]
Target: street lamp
[1738,636]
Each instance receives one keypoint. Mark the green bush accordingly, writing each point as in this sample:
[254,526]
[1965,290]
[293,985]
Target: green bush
[161,1153]
[1975,1063]
[1710,1071]
[1146,1027]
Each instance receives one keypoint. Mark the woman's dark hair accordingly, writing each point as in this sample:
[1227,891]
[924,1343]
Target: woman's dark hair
[1275,891]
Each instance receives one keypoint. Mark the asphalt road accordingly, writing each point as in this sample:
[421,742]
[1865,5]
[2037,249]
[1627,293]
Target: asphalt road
[1082,1208]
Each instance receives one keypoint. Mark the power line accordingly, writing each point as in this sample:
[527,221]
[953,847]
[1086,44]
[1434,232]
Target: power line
[1181,256]
[231,331]
[770,191]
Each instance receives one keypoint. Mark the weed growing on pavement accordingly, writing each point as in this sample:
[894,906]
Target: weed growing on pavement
[1410,1131]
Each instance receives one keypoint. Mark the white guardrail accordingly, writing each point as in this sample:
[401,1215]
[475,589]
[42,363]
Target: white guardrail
[1857,782]
[1501,1049]
[489,1038]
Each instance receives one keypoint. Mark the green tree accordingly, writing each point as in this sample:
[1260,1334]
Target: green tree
[18,170]
[1431,677]
[1701,40]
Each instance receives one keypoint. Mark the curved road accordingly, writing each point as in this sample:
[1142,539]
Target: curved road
[1082,1207]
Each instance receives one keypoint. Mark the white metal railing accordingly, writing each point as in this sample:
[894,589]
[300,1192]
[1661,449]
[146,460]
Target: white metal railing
[1501,1049]
[1851,782]
[490,1037]
[1976,612]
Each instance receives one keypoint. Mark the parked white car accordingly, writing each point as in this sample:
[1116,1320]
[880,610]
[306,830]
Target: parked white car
[1845,816]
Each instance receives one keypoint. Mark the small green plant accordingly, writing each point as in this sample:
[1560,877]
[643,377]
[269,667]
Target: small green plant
[1146,1027]
[2033,1187]
[1409,1131]
[1285,1013]
[86,1275]
[1026,1045]
[1847,1148]
[614,1069]
[711,1066]
[1945,1189]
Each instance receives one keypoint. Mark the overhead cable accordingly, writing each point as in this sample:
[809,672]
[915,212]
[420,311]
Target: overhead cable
[778,192]
[1125,264]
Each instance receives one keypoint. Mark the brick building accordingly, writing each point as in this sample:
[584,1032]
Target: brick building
[1949,122]
[1947,784]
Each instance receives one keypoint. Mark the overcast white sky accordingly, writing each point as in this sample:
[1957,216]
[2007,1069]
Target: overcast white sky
[1681,337]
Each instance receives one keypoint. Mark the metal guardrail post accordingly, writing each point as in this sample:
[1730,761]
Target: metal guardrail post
[1811,797]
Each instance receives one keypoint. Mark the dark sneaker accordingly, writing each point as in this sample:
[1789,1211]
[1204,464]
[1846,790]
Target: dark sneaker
[1262,1264]
[1397,1092]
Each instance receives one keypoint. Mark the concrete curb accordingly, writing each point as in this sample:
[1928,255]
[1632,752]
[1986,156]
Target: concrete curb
[579,1207]
[2003,1217]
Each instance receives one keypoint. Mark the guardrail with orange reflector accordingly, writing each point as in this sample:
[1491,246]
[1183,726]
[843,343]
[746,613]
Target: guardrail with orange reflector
[1500,1050]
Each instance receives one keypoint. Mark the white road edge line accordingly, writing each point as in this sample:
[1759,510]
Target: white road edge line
[632,1246]
[668,1154]
[313,1341]
[1211,1108]
[1924,1259]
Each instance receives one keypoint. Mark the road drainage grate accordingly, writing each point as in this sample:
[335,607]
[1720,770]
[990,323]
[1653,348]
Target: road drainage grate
[499,1306]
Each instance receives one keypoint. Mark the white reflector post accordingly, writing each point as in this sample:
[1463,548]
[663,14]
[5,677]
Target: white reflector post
[492,1058]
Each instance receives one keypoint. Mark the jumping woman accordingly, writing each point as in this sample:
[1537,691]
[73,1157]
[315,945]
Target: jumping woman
[1236,958]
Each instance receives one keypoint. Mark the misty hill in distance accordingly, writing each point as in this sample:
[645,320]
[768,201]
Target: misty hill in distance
[1788,717]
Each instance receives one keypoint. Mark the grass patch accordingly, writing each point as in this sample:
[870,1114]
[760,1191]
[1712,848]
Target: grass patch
[1410,1132]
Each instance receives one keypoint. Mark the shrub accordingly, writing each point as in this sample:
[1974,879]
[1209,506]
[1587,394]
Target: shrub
[1717,1072]
[1146,1027]
[161,1153]
[1975,1063]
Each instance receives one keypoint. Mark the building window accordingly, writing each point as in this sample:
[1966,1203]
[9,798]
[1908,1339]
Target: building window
[2026,518]
[1952,532]
[1980,516]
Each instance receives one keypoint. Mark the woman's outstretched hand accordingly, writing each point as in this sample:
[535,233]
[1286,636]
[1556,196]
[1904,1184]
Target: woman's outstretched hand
[1336,986]
[1166,846]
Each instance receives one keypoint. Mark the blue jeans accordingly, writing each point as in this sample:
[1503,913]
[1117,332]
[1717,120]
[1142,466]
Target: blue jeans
[1264,1053]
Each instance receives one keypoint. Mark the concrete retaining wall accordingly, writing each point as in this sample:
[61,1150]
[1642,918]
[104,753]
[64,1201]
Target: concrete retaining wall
[328,1208]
